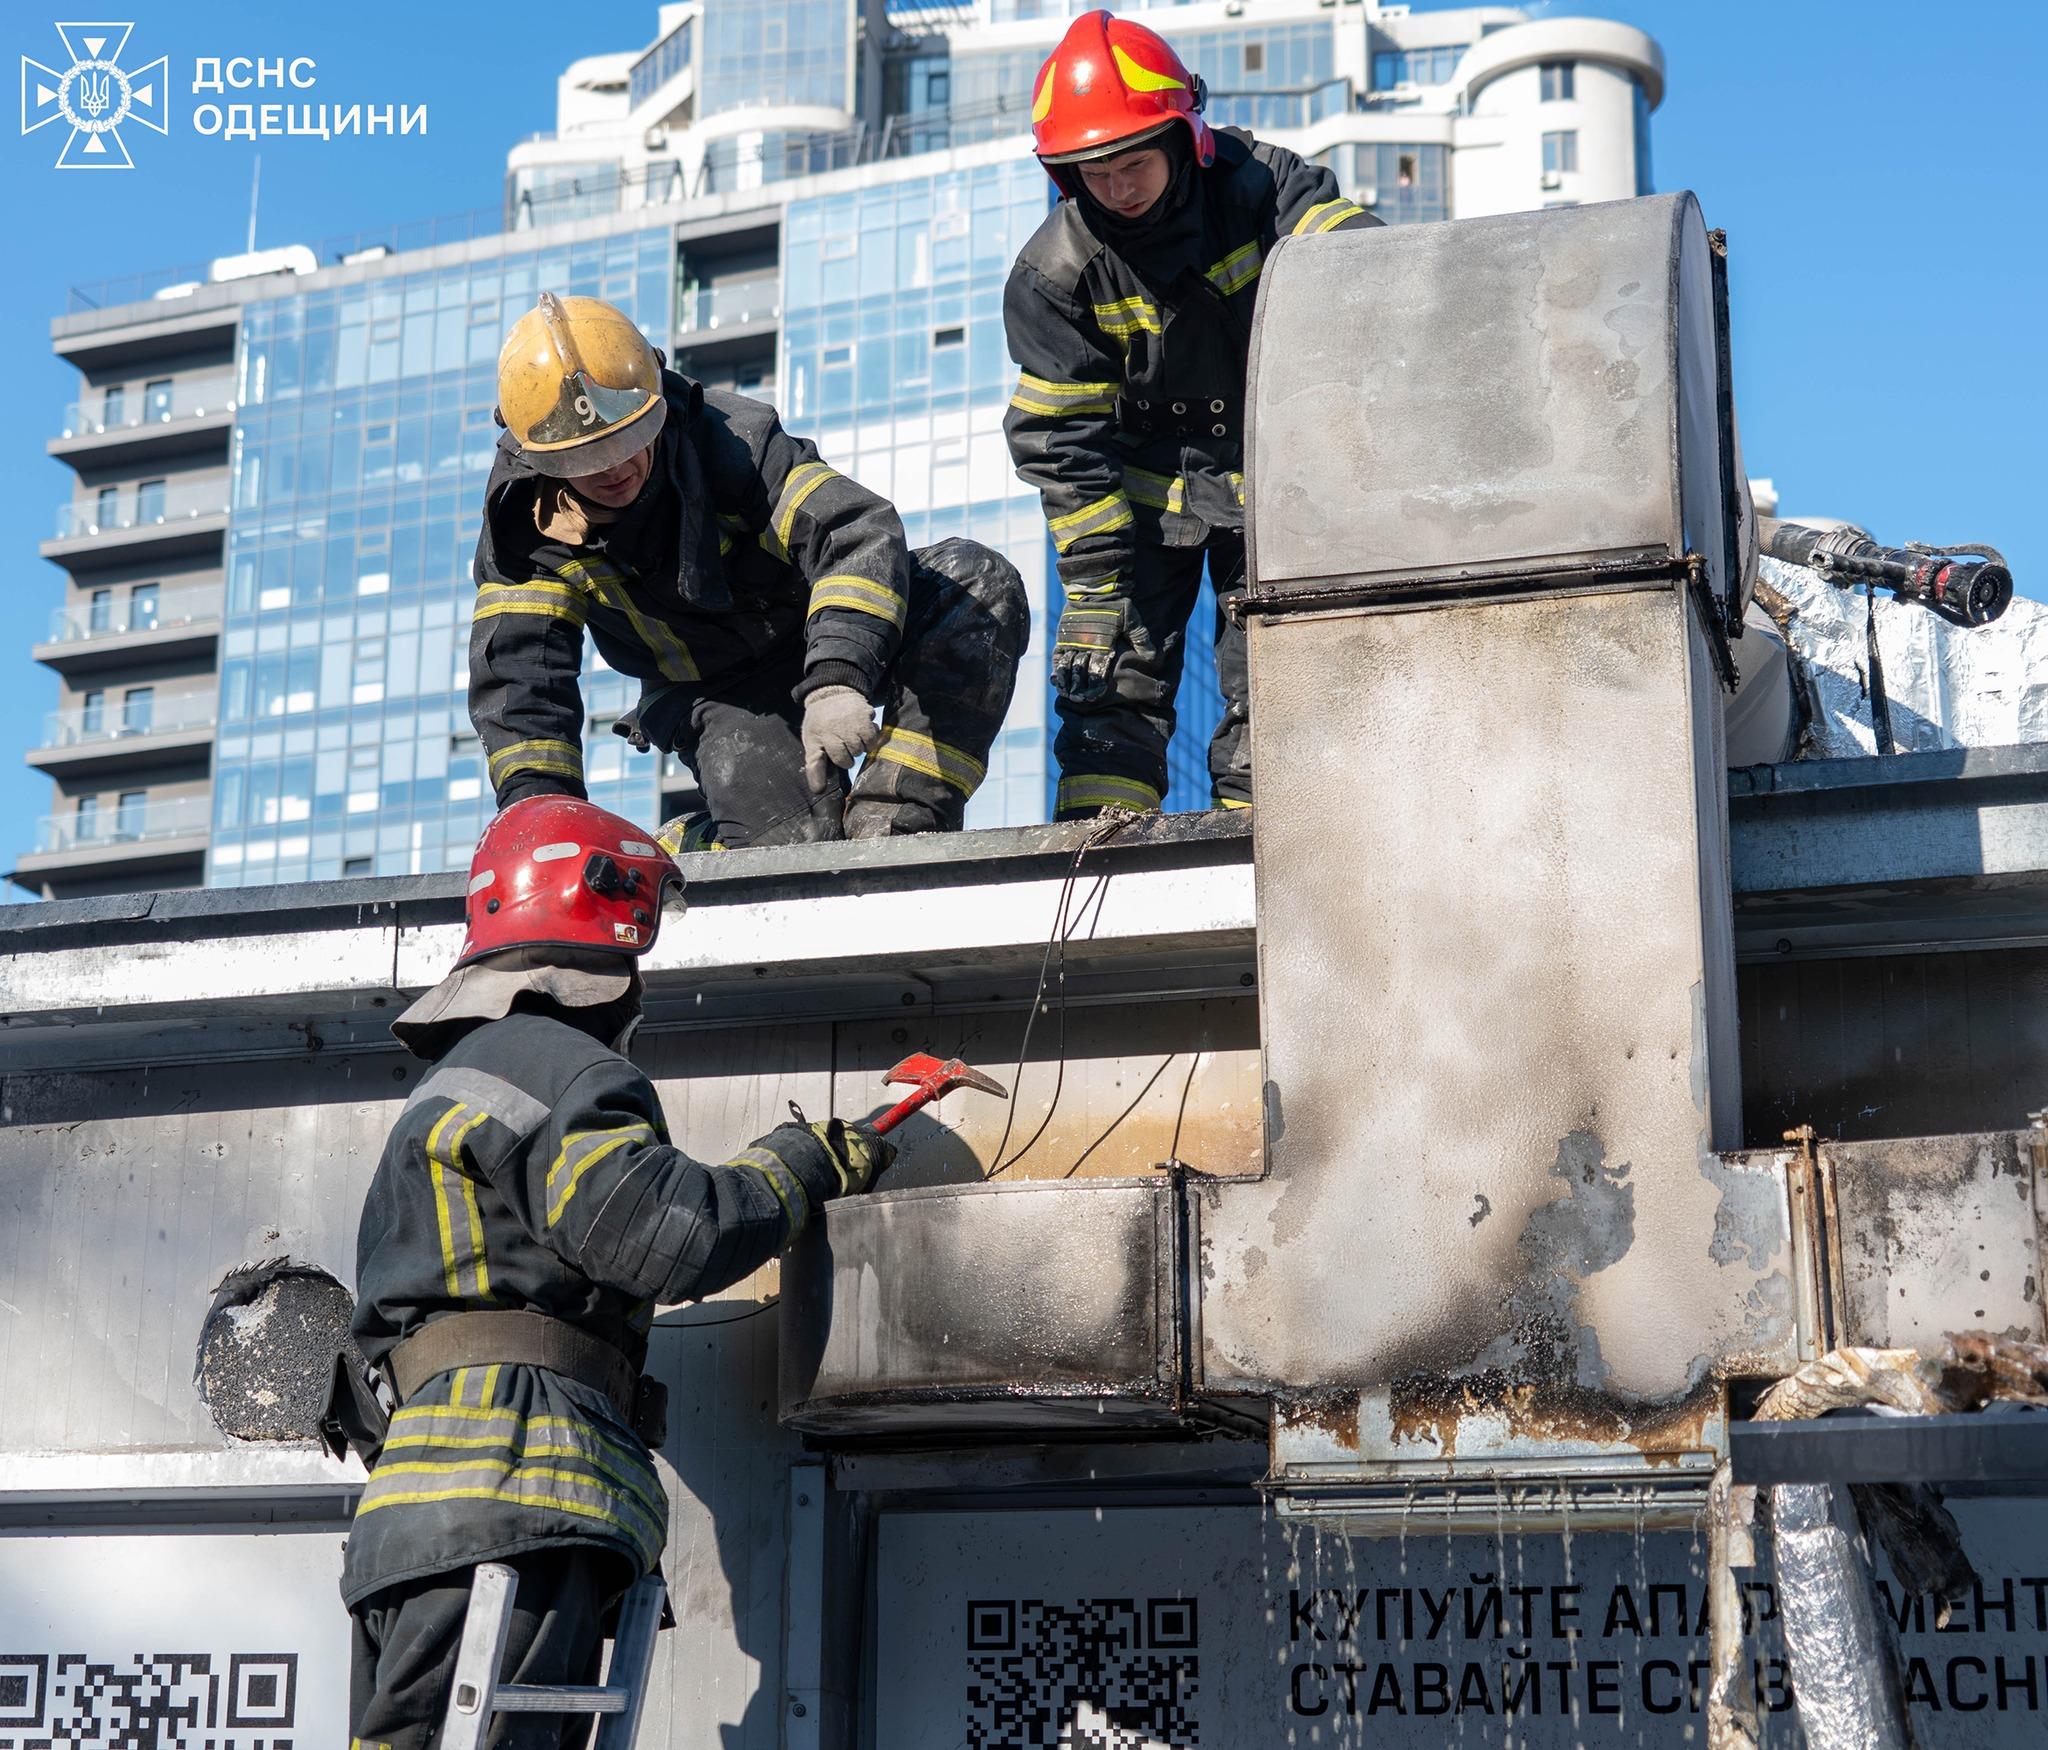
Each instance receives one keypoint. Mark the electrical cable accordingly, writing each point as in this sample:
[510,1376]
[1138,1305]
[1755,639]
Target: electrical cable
[752,1312]
[1111,822]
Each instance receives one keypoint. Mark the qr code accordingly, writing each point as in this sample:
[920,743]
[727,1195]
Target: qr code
[1096,1674]
[151,1701]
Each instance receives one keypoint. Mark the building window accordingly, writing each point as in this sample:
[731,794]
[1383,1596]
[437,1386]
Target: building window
[88,827]
[1557,81]
[355,866]
[128,814]
[92,712]
[1433,66]
[101,618]
[138,710]
[937,87]
[107,515]
[142,606]
[1254,57]
[156,399]
[149,501]
[115,409]
[1561,152]
[1644,182]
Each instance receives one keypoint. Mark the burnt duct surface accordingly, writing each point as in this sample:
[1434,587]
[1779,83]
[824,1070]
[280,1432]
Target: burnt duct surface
[267,1348]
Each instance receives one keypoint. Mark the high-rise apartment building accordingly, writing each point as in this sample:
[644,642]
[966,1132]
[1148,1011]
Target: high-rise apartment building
[261,645]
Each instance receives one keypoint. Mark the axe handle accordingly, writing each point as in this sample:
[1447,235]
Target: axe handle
[918,1098]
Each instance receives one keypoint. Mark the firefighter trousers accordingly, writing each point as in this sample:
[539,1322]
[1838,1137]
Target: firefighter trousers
[944,703]
[405,1638]
[1112,749]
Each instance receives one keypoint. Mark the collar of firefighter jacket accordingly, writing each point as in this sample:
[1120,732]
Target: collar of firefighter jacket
[487,991]
[668,535]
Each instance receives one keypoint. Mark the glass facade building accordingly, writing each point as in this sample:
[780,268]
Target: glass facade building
[361,446]
[893,358]
[279,480]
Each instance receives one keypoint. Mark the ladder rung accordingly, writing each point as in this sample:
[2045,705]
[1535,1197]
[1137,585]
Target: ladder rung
[556,1698]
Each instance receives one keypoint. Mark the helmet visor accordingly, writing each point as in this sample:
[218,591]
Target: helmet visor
[604,448]
[1135,142]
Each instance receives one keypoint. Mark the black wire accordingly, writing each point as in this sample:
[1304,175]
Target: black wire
[1111,823]
[1173,1148]
[752,1312]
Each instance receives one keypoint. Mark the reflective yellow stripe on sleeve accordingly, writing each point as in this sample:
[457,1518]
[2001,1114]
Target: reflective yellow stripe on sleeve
[795,1200]
[557,759]
[1325,215]
[581,1150]
[1100,517]
[862,594]
[1128,316]
[920,753]
[1237,269]
[544,597]
[798,485]
[1052,400]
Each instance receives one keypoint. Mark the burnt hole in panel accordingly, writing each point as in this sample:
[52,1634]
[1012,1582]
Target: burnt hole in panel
[267,1348]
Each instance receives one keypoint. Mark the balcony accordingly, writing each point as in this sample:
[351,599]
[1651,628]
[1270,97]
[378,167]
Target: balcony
[152,520]
[164,837]
[128,623]
[124,733]
[113,427]
[728,317]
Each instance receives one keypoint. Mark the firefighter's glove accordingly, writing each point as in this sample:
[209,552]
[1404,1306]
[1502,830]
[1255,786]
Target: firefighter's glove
[858,1154]
[839,726]
[1083,650]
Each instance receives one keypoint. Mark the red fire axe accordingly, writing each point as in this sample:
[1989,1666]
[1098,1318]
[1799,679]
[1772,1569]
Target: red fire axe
[928,1079]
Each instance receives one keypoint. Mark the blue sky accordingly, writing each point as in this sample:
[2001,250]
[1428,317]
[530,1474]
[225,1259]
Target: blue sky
[1876,166]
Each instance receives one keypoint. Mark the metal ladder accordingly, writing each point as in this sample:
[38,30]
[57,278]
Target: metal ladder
[478,1695]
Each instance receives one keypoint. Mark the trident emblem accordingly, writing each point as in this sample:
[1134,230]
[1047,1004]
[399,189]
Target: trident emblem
[95,94]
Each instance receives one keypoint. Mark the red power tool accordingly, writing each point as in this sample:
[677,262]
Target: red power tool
[929,1078]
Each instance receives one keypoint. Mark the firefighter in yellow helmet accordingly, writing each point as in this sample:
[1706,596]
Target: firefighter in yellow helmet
[766,603]
[1129,313]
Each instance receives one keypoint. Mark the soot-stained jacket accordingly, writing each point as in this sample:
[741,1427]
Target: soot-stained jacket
[531,1171]
[1129,410]
[746,552]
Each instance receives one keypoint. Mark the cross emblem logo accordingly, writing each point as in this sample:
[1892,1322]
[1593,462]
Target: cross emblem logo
[96,94]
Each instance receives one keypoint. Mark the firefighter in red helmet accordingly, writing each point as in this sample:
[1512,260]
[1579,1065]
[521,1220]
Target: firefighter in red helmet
[1129,316]
[528,1215]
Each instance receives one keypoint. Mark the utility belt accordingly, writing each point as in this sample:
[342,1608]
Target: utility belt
[362,1400]
[1207,418]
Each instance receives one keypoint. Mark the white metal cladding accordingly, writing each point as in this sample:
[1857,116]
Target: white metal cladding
[1512,395]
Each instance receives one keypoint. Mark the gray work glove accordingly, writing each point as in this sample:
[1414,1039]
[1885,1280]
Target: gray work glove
[839,726]
[1084,648]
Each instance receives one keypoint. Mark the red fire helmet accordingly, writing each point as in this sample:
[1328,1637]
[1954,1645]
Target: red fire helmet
[1109,86]
[555,872]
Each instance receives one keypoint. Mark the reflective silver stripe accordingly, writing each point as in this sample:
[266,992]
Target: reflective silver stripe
[513,1107]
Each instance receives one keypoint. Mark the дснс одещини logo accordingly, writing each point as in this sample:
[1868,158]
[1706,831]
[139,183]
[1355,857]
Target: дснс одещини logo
[95,95]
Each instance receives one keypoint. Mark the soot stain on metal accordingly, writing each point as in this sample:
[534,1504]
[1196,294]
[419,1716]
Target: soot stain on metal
[267,1348]
[1431,1408]
[1593,1224]
[1541,1372]
[1482,1207]
[1748,1224]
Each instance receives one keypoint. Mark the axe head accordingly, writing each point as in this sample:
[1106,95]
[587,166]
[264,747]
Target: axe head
[922,1070]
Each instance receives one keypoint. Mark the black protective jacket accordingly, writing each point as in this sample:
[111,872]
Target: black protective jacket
[1129,412]
[531,1171]
[745,552]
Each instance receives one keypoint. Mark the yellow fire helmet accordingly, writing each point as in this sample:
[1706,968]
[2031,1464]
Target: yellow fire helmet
[578,386]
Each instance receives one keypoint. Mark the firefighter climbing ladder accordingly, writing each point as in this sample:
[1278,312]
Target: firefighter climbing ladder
[478,1694]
